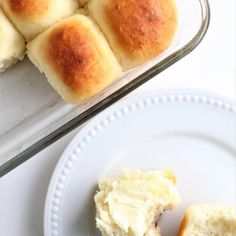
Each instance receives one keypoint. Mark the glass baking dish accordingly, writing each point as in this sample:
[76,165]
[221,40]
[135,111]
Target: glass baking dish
[33,116]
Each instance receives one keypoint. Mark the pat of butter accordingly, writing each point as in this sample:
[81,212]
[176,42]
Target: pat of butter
[132,204]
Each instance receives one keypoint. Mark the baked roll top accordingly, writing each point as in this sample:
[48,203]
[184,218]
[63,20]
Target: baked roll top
[32,17]
[75,57]
[138,30]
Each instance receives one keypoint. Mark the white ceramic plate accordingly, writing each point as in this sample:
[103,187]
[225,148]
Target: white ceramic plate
[192,133]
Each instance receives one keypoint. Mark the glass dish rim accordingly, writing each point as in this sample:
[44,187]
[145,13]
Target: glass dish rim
[114,97]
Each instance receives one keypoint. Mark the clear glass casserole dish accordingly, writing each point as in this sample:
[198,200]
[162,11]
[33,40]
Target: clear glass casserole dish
[33,116]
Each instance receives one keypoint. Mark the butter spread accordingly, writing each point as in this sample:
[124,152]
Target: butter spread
[132,203]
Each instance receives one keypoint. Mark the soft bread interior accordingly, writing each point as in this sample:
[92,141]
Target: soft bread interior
[12,45]
[132,203]
[209,220]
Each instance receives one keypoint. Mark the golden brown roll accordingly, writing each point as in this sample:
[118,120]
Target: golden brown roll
[12,44]
[138,30]
[75,57]
[32,17]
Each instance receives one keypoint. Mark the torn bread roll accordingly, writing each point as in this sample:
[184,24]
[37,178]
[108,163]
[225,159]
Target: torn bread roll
[208,220]
[32,17]
[133,203]
[75,57]
[12,45]
[137,30]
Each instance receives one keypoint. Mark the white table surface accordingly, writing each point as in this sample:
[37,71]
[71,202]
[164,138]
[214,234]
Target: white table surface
[211,67]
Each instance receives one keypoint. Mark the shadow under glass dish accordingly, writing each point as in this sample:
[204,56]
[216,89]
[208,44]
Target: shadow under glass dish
[34,116]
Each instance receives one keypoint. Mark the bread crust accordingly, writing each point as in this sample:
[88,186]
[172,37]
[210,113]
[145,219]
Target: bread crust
[138,23]
[184,224]
[70,53]
[76,58]
[138,30]
[28,8]
[32,17]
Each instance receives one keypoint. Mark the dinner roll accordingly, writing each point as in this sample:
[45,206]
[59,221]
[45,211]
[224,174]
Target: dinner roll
[138,30]
[132,203]
[209,220]
[12,45]
[32,17]
[75,57]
